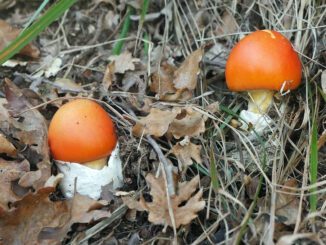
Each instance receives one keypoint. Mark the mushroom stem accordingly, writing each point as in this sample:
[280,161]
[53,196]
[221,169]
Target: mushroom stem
[260,101]
[97,164]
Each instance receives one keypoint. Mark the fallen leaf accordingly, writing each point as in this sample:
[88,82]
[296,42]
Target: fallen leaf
[188,123]
[6,146]
[162,82]
[66,84]
[123,62]
[143,105]
[53,67]
[9,33]
[29,178]
[229,24]
[53,181]
[171,83]
[30,130]
[186,74]
[130,200]
[36,218]
[156,123]
[187,153]
[158,208]
[108,76]
[9,172]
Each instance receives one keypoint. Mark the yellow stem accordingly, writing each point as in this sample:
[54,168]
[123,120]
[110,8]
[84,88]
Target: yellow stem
[260,100]
[97,164]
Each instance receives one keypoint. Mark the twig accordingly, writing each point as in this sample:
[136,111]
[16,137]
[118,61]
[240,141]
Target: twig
[166,166]
[168,176]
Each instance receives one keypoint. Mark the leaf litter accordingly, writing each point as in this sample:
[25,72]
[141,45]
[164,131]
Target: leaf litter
[158,208]
[173,93]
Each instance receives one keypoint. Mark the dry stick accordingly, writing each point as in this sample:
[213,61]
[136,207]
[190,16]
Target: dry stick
[168,176]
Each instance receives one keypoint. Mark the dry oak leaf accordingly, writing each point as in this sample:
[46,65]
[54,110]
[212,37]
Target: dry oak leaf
[156,123]
[185,77]
[9,33]
[162,82]
[187,153]
[30,130]
[188,123]
[159,210]
[171,83]
[123,62]
[37,220]
[10,171]
[119,64]
[6,146]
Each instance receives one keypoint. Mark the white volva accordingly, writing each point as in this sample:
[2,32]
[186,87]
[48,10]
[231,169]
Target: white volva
[90,181]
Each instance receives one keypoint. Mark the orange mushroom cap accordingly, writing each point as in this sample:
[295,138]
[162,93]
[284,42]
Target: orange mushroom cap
[81,131]
[263,60]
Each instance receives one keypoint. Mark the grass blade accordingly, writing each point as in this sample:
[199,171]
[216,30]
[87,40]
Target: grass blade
[125,29]
[53,13]
[213,171]
[313,166]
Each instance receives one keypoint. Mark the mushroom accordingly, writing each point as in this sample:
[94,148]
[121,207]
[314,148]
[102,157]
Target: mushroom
[261,63]
[81,137]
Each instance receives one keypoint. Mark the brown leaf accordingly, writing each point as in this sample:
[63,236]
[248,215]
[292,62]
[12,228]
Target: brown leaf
[9,33]
[187,153]
[108,76]
[156,123]
[188,123]
[29,178]
[162,82]
[10,171]
[186,75]
[123,62]
[171,84]
[30,129]
[229,24]
[36,218]
[6,146]
[158,208]
[132,203]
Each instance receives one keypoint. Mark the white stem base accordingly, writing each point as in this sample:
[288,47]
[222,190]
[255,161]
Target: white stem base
[258,122]
[89,181]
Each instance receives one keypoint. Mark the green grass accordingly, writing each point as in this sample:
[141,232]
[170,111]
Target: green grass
[31,32]
[313,165]
[213,170]
[313,157]
[123,34]
[144,10]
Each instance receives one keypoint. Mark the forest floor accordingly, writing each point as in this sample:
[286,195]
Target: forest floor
[193,172]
